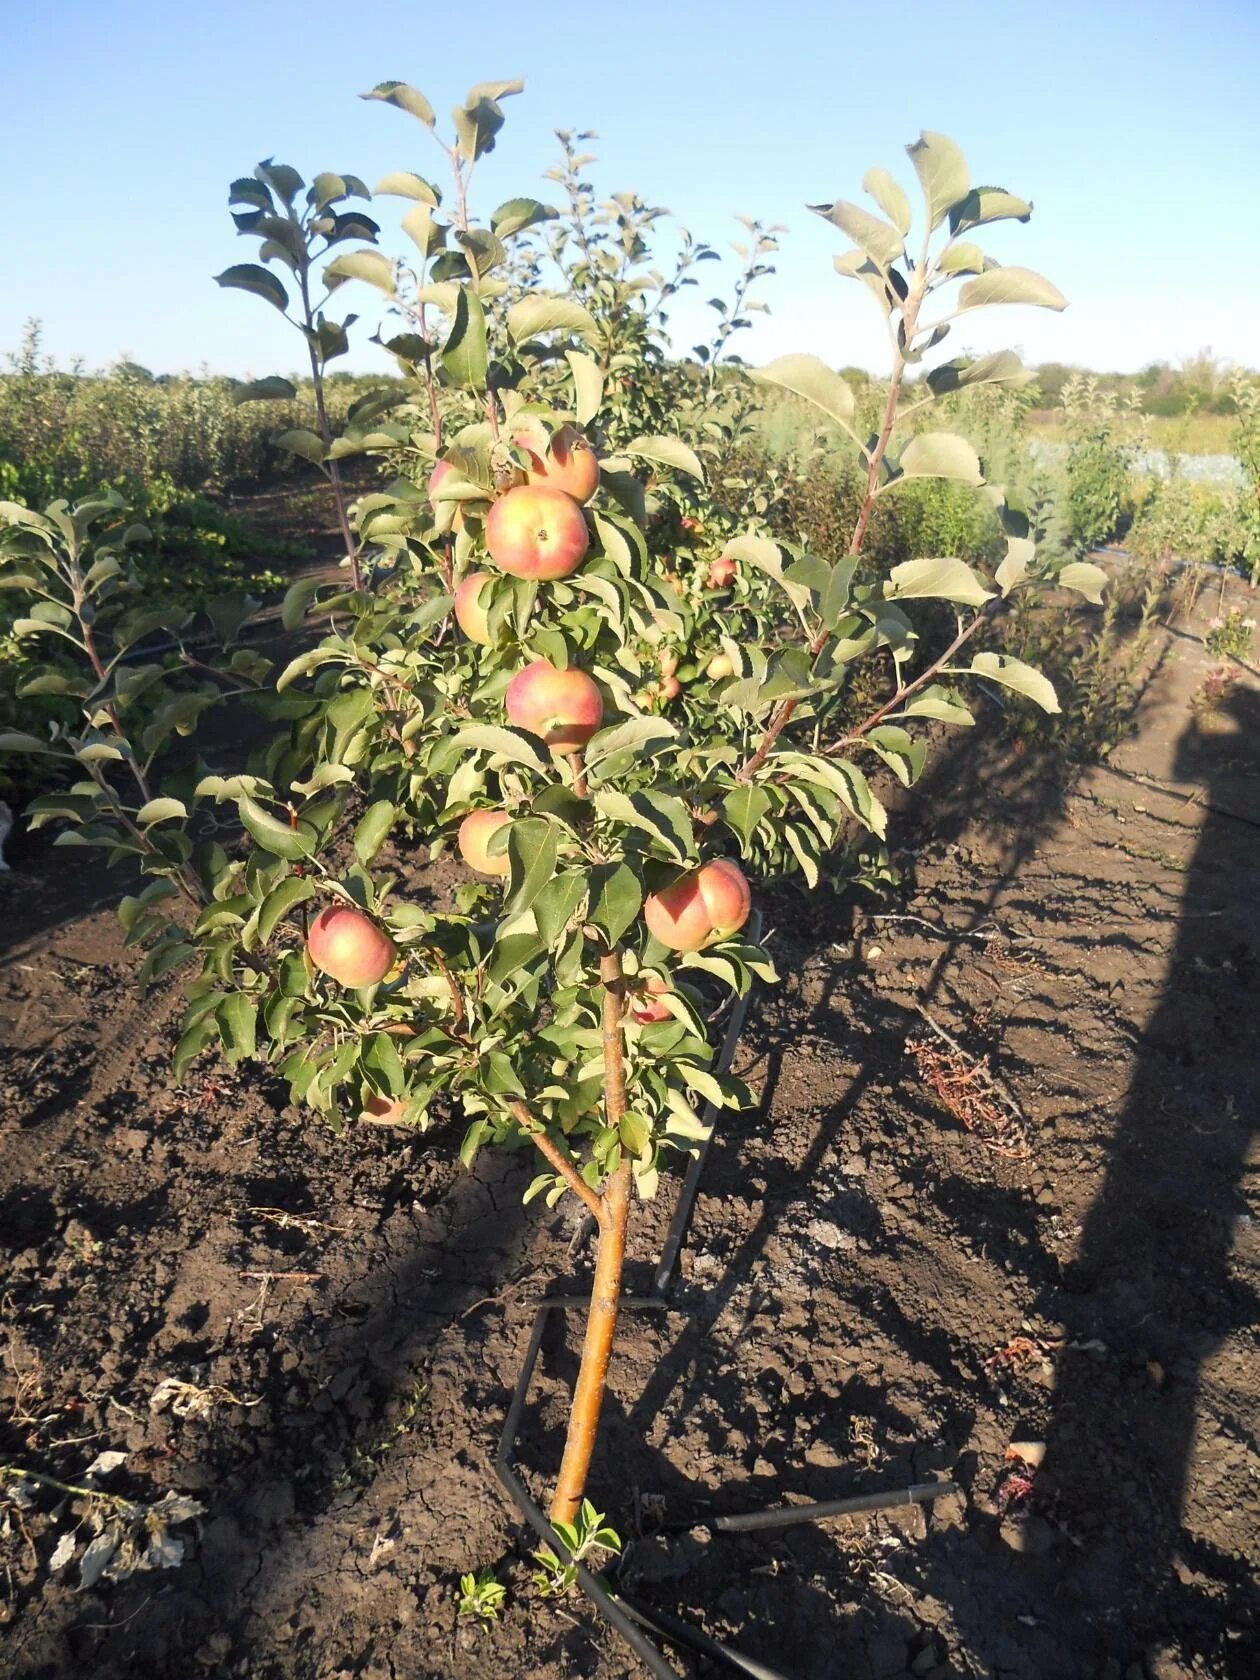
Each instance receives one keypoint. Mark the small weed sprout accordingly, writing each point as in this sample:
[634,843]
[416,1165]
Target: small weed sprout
[481,1597]
[582,1540]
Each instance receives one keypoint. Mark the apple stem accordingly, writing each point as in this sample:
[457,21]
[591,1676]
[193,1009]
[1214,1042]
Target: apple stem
[613,1217]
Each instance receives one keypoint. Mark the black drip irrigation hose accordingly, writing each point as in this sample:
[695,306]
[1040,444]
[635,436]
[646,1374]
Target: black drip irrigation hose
[628,1617]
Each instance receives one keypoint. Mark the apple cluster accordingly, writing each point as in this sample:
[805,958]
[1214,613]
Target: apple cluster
[537,531]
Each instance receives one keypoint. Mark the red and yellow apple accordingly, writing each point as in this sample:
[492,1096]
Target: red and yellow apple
[471,616]
[710,903]
[349,947]
[383,1111]
[671,688]
[645,1011]
[474,838]
[537,532]
[722,573]
[570,464]
[564,707]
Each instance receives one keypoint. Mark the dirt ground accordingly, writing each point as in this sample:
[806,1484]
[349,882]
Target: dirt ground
[873,1294]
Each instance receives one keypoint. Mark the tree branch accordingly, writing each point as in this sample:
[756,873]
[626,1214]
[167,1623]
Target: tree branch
[559,1160]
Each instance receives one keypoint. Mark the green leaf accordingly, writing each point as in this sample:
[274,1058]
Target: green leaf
[632,735]
[942,171]
[303,443]
[767,557]
[987,204]
[662,816]
[479,119]
[373,827]
[1086,579]
[509,744]
[616,898]
[237,1016]
[250,277]
[1020,553]
[811,378]
[281,179]
[402,183]
[962,257]
[557,903]
[935,702]
[539,313]
[533,845]
[936,580]
[744,807]
[406,98]
[803,846]
[845,780]
[16,740]
[667,452]
[635,1132]
[285,840]
[882,244]
[372,266]
[294,889]
[518,214]
[941,455]
[425,234]
[297,600]
[903,755]
[890,198]
[1010,285]
[588,385]
[161,810]
[260,390]
[464,355]
[1013,673]
[1002,368]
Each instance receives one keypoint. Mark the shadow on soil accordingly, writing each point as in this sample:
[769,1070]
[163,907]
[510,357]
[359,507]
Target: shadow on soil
[1170,1189]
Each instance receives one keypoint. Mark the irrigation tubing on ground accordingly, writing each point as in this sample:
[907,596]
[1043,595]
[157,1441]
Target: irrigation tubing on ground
[628,1617]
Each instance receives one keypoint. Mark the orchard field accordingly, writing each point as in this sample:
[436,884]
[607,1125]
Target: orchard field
[414,778]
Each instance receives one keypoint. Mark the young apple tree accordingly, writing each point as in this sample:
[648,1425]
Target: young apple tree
[494,679]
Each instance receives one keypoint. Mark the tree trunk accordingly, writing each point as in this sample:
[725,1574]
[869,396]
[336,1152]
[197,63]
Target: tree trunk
[601,1318]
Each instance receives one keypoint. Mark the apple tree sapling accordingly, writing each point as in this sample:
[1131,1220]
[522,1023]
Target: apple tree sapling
[504,611]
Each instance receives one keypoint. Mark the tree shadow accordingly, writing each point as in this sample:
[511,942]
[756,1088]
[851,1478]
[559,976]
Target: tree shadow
[1155,1282]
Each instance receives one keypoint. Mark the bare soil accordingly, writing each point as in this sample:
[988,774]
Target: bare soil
[873,1294]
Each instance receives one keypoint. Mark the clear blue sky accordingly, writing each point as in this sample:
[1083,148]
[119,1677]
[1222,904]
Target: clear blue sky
[1132,124]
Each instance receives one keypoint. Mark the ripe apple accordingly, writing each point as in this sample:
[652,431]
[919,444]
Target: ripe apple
[474,838]
[719,666]
[722,573]
[564,707]
[537,532]
[710,903]
[669,664]
[645,1012]
[671,688]
[383,1111]
[570,464]
[471,616]
[348,946]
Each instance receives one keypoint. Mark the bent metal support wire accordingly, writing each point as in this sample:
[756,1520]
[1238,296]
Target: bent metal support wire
[632,1620]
